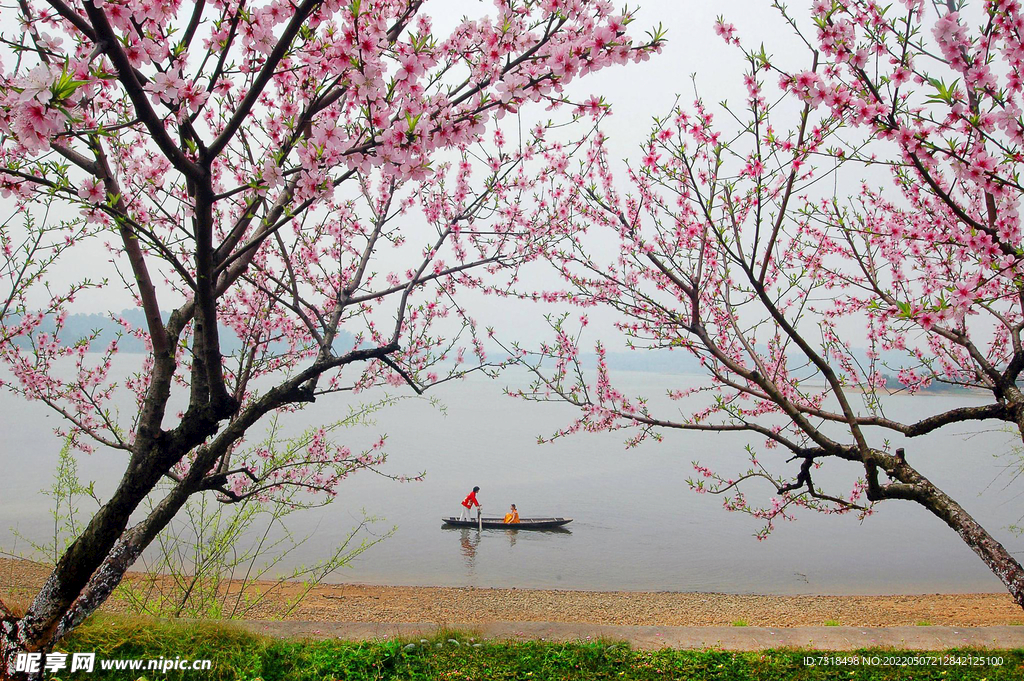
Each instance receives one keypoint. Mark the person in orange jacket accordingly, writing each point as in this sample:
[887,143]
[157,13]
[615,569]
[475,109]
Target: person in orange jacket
[468,503]
[512,516]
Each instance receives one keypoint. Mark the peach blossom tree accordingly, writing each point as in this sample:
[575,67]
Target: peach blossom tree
[315,181]
[763,247]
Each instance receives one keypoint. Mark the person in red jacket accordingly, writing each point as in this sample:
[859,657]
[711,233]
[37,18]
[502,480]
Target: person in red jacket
[468,503]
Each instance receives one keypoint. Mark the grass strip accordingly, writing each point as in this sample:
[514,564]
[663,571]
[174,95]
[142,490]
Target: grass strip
[238,655]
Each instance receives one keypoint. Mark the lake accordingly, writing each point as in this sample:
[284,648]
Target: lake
[637,526]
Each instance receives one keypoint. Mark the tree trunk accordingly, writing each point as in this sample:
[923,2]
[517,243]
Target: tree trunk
[1000,561]
[16,634]
[12,643]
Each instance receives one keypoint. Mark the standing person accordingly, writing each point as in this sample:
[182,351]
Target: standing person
[512,516]
[468,503]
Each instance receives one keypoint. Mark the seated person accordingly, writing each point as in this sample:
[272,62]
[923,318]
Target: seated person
[512,516]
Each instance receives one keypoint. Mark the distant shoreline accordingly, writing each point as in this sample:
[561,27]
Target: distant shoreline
[925,392]
[19,580]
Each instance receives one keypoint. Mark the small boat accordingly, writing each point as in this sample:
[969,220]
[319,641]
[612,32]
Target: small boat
[523,524]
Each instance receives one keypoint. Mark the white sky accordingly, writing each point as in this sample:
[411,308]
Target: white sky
[637,92]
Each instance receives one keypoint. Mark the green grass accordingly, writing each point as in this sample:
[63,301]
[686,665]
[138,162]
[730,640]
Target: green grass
[923,623]
[457,656]
[831,623]
[739,623]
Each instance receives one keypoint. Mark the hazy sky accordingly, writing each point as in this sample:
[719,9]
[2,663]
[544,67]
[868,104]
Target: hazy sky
[636,92]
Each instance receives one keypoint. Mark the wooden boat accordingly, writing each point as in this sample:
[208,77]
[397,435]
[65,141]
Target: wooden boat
[499,523]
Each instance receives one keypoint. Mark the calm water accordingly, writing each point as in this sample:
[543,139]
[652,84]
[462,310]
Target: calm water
[637,525]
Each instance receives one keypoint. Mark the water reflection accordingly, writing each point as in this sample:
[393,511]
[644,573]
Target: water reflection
[513,533]
[469,539]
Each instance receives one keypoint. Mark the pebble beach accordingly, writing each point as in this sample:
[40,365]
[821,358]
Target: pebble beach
[19,579]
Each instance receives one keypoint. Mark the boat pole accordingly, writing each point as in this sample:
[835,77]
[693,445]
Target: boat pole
[479,519]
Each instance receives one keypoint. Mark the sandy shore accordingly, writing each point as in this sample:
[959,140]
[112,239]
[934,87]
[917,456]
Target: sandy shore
[444,605]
